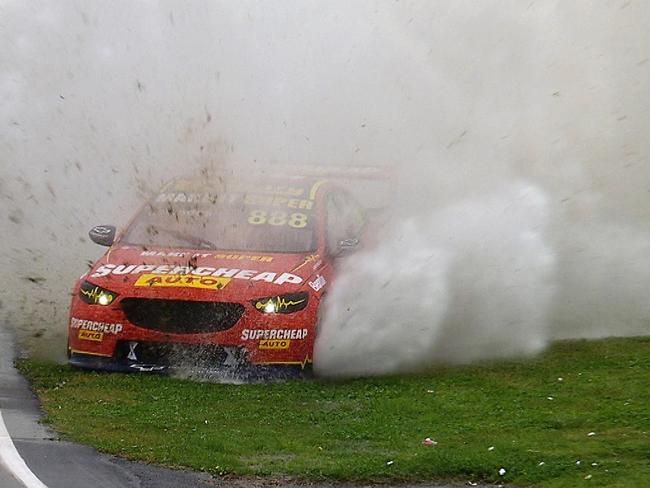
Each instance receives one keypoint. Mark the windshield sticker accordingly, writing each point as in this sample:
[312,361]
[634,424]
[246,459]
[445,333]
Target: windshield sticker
[190,255]
[276,195]
[278,201]
[175,254]
[246,257]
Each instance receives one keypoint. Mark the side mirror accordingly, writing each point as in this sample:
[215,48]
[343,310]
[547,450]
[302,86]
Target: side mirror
[347,245]
[104,235]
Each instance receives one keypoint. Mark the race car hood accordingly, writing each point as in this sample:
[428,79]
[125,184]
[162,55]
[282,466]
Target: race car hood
[198,274]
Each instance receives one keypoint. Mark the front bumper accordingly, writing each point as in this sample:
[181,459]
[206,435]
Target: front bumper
[256,346]
[197,361]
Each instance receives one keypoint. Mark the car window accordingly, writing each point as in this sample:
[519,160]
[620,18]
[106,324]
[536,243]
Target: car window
[243,222]
[345,219]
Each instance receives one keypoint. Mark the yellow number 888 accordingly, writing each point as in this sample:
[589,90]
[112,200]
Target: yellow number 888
[260,217]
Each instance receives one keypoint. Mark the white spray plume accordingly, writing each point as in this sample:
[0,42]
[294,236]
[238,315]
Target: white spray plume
[472,280]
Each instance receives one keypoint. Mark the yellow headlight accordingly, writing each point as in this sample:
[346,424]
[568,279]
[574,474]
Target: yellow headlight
[290,303]
[95,295]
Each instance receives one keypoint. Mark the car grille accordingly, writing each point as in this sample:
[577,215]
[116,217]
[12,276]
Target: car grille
[181,316]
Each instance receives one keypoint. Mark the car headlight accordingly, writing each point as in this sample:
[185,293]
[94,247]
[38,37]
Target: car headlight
[293,302]
[96,295]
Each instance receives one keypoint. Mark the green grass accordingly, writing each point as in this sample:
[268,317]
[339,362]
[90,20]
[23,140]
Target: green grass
[351,429]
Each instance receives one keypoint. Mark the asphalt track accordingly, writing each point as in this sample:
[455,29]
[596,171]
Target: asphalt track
[59,464]
[32,453]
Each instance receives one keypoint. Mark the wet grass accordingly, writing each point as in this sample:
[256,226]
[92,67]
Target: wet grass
[532,418]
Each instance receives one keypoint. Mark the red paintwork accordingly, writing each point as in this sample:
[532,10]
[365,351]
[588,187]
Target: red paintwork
[306,266]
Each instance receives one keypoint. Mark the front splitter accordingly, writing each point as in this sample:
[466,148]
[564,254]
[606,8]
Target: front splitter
[244,373]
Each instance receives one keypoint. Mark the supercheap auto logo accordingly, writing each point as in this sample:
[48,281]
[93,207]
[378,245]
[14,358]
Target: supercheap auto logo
[161,280]
[92,326]
[201,271]
[273,334]
[270,344]
[89,335]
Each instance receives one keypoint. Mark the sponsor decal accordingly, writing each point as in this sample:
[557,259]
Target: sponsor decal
[93,326]
[184,281]
[278,201]
[314,189]
[318,283]
[235,194]
[91,353]
[174,254]
[282,304]
[147,369]
[271,334]
[89,335]
[235,357]
[274,344]
[103,230]
[188,255]
[247,257]
[308,259]
[164,269]
[132,353]
[302,364]
[278,218]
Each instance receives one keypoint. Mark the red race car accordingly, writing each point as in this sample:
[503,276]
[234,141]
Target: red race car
[223,276]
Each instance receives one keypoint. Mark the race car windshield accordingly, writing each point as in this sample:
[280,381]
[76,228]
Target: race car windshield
[232,222]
